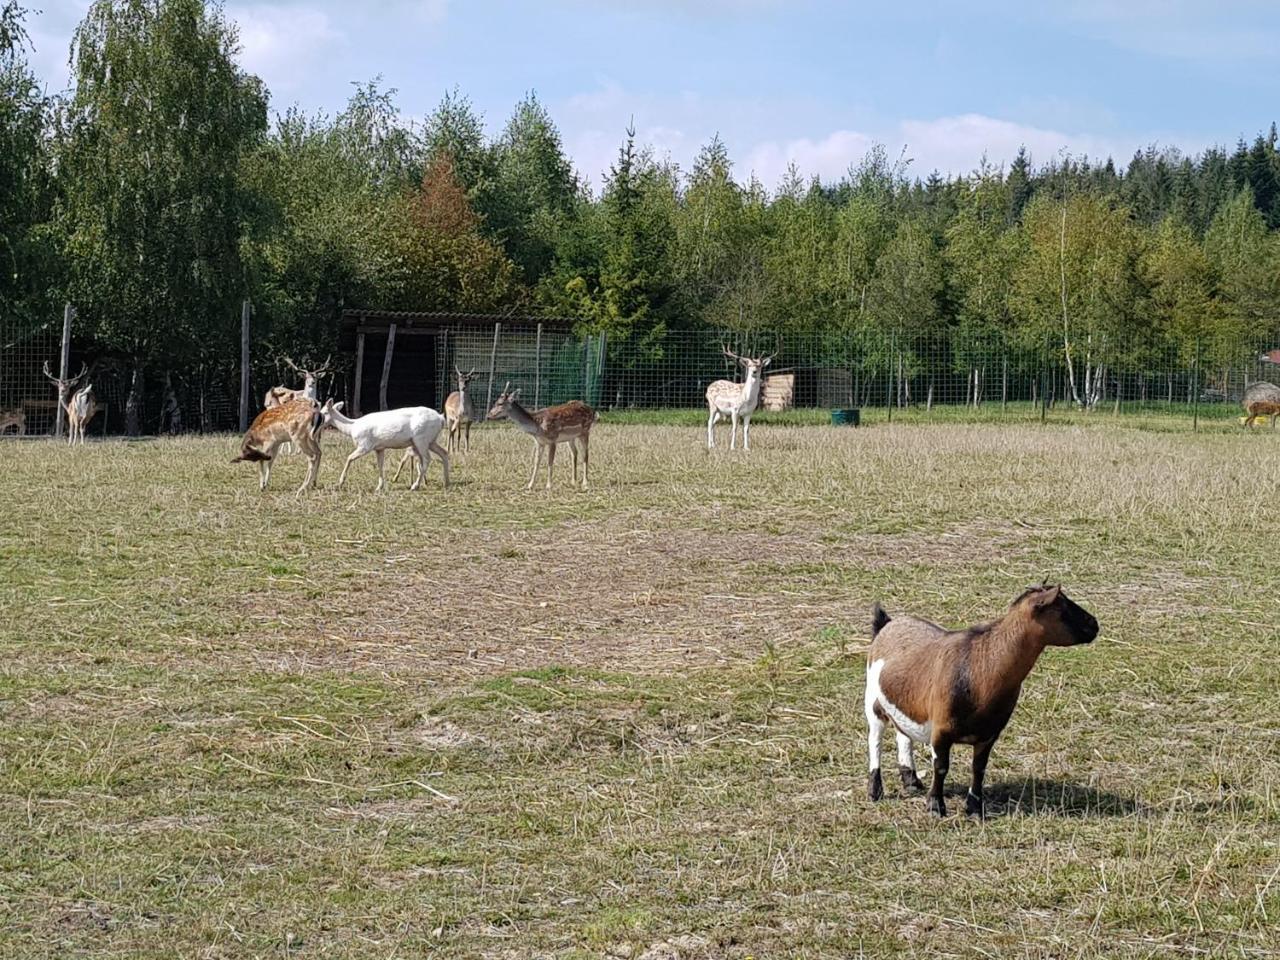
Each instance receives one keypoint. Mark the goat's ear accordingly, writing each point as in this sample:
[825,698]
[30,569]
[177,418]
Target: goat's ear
[1045,597]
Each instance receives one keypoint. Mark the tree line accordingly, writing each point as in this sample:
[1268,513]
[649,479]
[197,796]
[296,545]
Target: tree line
[160,191]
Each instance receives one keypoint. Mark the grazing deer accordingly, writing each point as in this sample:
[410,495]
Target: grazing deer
[15,417]
[82,406]
[1261,400]
[564,423]
[296,421]
[943,687]
[736,400]
[414,427]
[458,416]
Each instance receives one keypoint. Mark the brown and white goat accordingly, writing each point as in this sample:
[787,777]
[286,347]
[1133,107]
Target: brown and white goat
[295,421]
[944,687]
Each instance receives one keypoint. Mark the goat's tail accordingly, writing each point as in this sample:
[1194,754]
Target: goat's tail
[879,619]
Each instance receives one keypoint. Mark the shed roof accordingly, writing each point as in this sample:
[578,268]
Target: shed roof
[428,319]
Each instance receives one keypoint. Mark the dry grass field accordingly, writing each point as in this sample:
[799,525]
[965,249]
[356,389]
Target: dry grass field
[627,722]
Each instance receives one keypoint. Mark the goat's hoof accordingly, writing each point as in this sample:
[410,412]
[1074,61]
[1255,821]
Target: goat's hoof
[910,781]
[974,807]
[937,807]
[875,786]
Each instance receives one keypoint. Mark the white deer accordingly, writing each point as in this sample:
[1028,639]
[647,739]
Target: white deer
[298,421]
[738,401]
[414,427]
[564,423]
[458,417]
[82,406]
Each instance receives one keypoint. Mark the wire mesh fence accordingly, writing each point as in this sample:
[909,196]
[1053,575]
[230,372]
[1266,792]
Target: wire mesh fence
[955,373]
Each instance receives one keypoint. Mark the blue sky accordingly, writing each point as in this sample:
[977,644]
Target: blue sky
[814,83]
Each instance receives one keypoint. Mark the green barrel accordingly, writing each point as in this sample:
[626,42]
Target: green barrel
[846,418]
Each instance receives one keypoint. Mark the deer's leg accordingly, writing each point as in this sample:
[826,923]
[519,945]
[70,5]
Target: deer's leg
[712,417]
[312,450]
[973,802]
[941,763]
[907,765]
[573,447]
[551,460]
[746,432]
[586,458]
[875,732]
[382,478]
[421,459]
[400,466]
[733,430]
[264,473]
[537,455]
[355,455]
[467,428]
[444,461]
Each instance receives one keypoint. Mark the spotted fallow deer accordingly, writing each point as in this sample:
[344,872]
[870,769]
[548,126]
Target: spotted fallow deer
[943,687]
[297,421]
[82,405]
[564,423]
[1261,400]
[310,389]
[738,401]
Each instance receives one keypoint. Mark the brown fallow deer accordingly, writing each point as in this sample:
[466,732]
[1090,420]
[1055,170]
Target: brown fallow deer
[297,421]
[15,417]
[310,388]
[738,401]
[564,423]
[943,687]
[82,405]
[1261,400]
[458,416]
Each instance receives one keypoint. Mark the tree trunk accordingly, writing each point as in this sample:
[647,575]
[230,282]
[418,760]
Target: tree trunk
[929,402]
[133,404]
[1062,289]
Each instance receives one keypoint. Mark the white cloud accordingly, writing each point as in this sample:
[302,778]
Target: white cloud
[828,157]
[282,43]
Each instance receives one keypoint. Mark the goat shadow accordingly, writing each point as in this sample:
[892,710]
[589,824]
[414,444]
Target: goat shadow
[1034,796]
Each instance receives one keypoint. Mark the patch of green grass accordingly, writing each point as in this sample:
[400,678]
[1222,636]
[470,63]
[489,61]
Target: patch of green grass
[493,722]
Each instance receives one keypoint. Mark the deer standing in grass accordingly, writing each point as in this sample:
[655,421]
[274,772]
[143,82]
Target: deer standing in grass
[310,389]
[1261,400]
[738,401]
[298,421]
[943,687]
[414,427]
[82,406]
[458,416]
[564,423]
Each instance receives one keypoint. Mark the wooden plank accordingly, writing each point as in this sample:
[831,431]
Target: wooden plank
[493,364]
[386,367]
[244,365]
[355,400]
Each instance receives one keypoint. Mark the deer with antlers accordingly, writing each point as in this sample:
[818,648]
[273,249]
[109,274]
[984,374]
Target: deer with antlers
[738,401]
[564,423]
[82,405]
[310,384]
[298,421]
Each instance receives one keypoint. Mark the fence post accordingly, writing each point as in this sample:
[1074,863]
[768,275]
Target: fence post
[537,368]
[386,367]
[1044,383]
[359,384]
[889,398]
[600,370]
[1195,390]
[493,364]
[245,310]
[68,311]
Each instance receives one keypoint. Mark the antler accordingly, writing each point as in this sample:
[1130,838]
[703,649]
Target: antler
[288,362]
[71,381]
[324,367]
[777,348]
[48,374]
[730,354]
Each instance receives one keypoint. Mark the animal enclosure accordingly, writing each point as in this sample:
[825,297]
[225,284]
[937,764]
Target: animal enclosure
[491,723]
